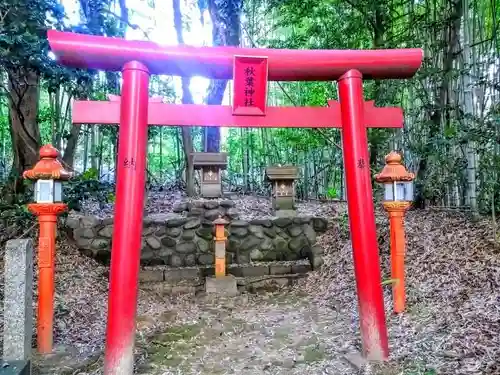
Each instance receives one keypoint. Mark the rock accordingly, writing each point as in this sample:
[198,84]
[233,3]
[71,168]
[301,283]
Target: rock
[176,222]
[106,232]
[297,243]
[148,231]
[147,254]
[266,245]
[280,245]
[232,213]
[266,223]
[302,220]
[153,243]
[238,231]
[190,260]
[72,222]
[206,259]
[210,205]
[175,261]
[227,204]
[270,232]
[294,230]
[173,232]
[159,218]
[197,204]
[282,222]
[196,211]
[188,235]
[256,231]
[250,243]
[317,250]
[319,224]
[165,253]
[84,233]
[233,244]
[205,233]
[83,243]
[316,261]
[309,233]
[100,243]
[89,221]
[192,224]
[242,258]
[108,221]
[168,241]
[180,207]
[185,247]
[239,224]
[207,223]
[256,254]
[213,214]
[203,245]
[282,232]
[160,232]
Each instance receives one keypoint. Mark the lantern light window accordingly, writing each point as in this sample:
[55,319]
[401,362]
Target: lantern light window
[399,191]
[48,191]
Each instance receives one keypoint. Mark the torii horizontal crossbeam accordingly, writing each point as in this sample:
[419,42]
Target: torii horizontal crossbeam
[108,112]
[98,52]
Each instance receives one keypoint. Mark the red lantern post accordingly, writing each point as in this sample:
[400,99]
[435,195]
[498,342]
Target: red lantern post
[398,195]
[48,174]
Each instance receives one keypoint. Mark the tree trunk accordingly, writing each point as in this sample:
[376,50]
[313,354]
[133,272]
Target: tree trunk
[225,17]
[71,145]
[440,111]
[24,92]
[187,98]
[471,191]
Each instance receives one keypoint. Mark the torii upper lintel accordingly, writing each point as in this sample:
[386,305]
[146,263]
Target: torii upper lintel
[98,52]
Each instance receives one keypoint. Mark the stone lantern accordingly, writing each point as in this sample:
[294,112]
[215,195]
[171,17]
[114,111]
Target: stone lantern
[282,179]
[211,164]
[48,175]
[398,196]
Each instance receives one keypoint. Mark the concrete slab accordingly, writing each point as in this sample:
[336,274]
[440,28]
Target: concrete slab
[225,286]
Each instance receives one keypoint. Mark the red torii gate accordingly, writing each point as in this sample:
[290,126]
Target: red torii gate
[134,111]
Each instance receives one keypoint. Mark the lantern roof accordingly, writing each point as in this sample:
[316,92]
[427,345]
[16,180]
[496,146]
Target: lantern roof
[48,167]
[220,221]
[394,170]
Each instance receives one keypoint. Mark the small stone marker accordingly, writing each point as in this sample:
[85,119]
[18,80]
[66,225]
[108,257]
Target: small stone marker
[18,308]
[15,368]
[224,285]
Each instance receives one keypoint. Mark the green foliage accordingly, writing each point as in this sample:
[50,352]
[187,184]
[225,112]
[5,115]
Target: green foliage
[90,174]
[332,193]
[87,186]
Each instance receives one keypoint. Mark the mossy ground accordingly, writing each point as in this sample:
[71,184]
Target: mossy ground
[276,334]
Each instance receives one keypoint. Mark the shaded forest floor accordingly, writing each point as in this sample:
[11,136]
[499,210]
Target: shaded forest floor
[451,326]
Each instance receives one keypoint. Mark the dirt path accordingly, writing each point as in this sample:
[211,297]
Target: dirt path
[252,334]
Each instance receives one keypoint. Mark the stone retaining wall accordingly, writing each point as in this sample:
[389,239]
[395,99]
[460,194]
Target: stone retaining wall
[207,209]
[179,241]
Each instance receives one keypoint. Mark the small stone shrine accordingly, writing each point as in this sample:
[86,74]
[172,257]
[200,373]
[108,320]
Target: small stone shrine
[283,179]
[211,164]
